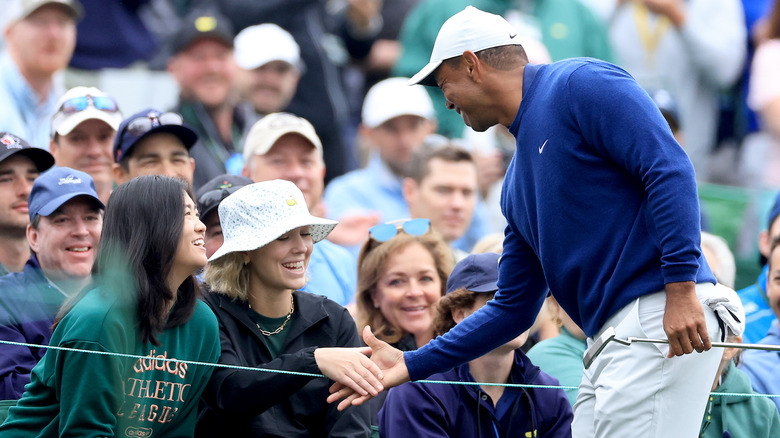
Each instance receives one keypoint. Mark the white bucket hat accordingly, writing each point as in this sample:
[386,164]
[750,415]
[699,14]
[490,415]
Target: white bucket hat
[257,214]
[469,29]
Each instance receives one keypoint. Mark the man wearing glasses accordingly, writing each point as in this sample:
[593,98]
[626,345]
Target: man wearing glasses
[82,135]
[154,143]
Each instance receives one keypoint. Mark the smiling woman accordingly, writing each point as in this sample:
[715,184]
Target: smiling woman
[266,321]
[144,302]
[402,273]
[398,281]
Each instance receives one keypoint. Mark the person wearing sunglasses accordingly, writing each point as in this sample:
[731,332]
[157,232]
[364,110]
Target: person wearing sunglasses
[154,143]
[254,281]
[82,135]
[402,273]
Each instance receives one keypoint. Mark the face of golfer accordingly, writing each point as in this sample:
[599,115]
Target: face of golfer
[465,96]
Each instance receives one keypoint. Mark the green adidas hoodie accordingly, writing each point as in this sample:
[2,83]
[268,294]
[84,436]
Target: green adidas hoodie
[77,394]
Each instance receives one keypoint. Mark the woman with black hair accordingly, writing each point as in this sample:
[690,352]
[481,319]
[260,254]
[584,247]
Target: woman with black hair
[144,303]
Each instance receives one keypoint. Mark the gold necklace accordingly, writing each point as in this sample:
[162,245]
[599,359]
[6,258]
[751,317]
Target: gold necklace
[281,327]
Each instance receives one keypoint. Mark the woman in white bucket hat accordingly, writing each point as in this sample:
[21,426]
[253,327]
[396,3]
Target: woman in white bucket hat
[265,321]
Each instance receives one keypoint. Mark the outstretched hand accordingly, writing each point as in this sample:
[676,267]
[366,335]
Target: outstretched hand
[684,322]
[350,367]
[389,360]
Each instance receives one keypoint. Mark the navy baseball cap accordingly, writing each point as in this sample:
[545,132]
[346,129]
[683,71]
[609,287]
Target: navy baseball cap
[58,186]
[11,145]
[147,122]
[475,273]
[215,190]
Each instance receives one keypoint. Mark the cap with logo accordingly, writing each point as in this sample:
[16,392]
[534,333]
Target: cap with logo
[218,188]
[56,187]
[203,24]
[393,98]
[476,273]
[266,131]
[80,104]
[21,9]
[470,29]
[147,122]
[11,145]
[260,44]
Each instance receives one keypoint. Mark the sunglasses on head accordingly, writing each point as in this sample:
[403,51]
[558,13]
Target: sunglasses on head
[141,125]
[413,227]
[77,104]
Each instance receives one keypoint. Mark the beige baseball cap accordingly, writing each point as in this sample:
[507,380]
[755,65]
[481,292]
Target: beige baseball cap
[266,131]
[470,29]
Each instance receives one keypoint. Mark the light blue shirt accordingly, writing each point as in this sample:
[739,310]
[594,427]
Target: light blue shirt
[21,113]
[372,189]
[376,188]
[759,317]
[332,272]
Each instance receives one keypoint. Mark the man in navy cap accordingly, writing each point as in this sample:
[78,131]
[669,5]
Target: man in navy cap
[20,164]
[66,217]
[152,142]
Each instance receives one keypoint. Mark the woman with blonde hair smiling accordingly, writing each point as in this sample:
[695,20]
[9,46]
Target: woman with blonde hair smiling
[265,321]
[402,273]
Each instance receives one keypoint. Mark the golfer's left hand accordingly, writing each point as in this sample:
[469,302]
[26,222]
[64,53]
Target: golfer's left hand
[684,321]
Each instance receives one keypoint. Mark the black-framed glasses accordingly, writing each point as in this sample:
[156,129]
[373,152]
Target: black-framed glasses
[141,125]
[80,103]
[413,227]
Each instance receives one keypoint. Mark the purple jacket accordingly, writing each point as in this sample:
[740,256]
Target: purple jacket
[28,305]
[443,410]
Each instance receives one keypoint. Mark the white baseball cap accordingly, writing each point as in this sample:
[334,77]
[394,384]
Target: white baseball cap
[84,103]
[258,45]
[470,29]
[17,10]
[392,98]
[257,214]
[266,131]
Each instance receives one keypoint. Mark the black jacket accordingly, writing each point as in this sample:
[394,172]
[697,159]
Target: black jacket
[242,403]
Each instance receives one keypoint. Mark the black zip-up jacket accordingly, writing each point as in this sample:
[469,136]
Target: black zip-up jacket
[243,403]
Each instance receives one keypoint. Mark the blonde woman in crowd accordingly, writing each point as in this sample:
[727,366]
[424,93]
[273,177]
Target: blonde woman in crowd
[266,321]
